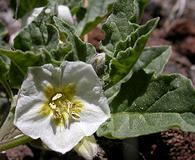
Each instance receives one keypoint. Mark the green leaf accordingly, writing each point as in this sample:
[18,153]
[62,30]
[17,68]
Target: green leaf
[142,4]
[80,50]
[4,109]
[4,70]
[124,125]
[36,36]
[121,22]
[123,12]
[70,3]
[62,51]
[146,105]
[20,61]
[39,34]
[8,131]
[130,90]
[94,14]
[153,59]
[127,56]
[22,7]
[4,67]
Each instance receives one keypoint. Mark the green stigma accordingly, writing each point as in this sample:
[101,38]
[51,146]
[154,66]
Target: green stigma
[62,105]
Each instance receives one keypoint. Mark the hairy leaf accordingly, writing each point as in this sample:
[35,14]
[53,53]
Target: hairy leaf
[146,105]
[4,109]
[153,59]
[8,131]
[127,57]
[34,37]
[4,67]
[80,50]
[96,11]
[38,34]
[121,23]
[20,61]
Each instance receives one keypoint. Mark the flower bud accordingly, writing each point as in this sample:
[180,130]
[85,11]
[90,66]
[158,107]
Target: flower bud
[87,148]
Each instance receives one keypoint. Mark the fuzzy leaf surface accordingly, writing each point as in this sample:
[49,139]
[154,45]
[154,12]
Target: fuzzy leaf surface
[20,61]
[79,50]
[153,59]
[40,33]
[128,54]
[146,105]
[95,12]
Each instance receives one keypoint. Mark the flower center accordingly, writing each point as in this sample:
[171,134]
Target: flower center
[62,105]
[64,109]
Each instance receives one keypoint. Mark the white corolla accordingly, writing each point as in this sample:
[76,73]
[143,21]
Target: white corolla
[61,105]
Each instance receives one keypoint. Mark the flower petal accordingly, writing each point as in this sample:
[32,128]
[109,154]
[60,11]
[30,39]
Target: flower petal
[43,76]
[61,138]
[91,117]
[88,86]
[28,118]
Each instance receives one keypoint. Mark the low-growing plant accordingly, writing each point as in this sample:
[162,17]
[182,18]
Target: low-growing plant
[60,90]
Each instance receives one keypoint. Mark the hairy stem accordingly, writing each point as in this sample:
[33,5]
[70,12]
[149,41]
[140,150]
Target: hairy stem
[15,142]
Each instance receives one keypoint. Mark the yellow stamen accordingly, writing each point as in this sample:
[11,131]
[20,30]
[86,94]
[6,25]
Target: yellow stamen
[62,105]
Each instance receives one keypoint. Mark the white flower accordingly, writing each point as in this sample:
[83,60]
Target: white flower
[61,105]
[63,12]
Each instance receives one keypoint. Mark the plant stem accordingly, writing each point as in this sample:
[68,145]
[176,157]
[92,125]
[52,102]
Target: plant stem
[15,142]
[7,88]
